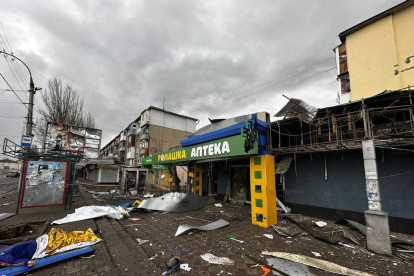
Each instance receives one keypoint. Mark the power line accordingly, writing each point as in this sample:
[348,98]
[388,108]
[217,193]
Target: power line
[16,65]
[266,74]
[12,117]
[13,90]
[72,80]
[301,72]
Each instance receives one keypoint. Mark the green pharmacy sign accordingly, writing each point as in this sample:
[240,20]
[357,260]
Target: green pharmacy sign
[220,148]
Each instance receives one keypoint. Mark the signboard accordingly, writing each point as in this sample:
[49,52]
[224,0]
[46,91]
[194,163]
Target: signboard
[225,147]
[159,167]
[147,161]
[44,183]
[72,139]
[26,141]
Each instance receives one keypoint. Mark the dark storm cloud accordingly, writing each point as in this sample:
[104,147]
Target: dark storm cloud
[205,58]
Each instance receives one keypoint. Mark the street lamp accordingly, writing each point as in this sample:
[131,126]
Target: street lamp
[32,91]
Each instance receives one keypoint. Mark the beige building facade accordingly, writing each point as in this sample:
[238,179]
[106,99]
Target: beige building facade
[377,54]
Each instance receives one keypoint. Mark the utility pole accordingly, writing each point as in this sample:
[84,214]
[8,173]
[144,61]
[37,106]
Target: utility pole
[376,220]
[29,124]
[32,91]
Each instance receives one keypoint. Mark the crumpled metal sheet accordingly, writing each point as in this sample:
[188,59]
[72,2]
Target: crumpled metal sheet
[321,264]
[361,228]
[289,267]
[211,226]
[283,165]
[89,212]
[296,108]
[174,202]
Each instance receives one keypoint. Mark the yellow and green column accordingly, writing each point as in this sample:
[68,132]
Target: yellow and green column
[263,190]
[197,182]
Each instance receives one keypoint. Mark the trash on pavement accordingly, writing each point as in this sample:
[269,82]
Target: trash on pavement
[173,262]
[286,209]
[17,270]
[265,270]
[89,212]
[317,263]
[174,202]
[284,233]
[141,241]
[148,195]
[350,236]
[137,202]
[218,205]
[58,241]
[211,226]
[316,254]
[134,218]
[321,223]
[361,228]
[315,235]
[176,250]
[114,192]
[275,270]
[288,267]
[185,267]
[216,260]
[268,236]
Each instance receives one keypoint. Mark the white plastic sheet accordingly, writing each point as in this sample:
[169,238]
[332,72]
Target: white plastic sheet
[89,212]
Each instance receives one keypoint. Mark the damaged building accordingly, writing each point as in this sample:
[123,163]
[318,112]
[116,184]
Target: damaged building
[320,152]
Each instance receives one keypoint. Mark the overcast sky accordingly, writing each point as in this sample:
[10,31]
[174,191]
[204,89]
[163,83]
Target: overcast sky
[207,59]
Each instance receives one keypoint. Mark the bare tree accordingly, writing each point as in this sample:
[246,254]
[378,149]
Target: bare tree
[62,105]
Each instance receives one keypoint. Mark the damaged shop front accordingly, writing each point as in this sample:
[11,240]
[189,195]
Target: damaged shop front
[322,166]
[228,161]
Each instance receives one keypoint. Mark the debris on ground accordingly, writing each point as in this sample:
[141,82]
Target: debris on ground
[317,263]
[268,236]
[173,262]
[286,209]
[174,202]
[233,237]
[89,212]
[211,226]
[321,223]
[218,205]
[134,218]
[285,232]
[185,267]
[148,195]
[265,270]
[216,260]
[289,267]
[141,241]
[316,254]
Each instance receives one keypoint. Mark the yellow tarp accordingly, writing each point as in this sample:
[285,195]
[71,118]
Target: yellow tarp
[59,238]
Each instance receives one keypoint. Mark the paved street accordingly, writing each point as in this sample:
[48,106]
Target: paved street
[7,184]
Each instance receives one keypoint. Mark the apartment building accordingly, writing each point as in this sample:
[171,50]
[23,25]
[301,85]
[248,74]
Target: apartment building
[155,130]
[377,54]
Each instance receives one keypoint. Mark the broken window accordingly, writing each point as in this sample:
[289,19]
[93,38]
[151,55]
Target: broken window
[345,85]
[343,60]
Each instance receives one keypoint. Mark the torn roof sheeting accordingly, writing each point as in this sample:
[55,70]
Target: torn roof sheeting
[296,108]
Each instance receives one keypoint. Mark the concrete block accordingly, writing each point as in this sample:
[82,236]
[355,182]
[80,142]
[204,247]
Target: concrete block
[378,232]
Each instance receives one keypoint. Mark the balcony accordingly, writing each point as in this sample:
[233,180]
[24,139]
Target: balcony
[130,154]
[122,149]
[123,137]
[144,151]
